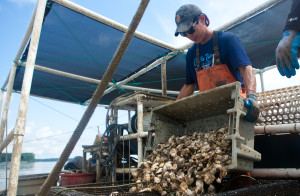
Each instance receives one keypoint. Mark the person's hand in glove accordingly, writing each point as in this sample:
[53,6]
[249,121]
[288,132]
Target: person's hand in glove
[253,109]
[286,53]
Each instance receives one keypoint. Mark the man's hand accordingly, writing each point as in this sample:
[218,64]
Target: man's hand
[253,111]
[286,53]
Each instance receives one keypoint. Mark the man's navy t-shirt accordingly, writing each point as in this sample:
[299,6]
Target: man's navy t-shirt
[231,53]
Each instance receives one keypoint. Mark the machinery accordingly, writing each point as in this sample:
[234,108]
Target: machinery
[159,117]
[156,118]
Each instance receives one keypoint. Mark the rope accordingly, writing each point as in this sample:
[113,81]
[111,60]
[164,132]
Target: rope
[271,60]
[93,187]
[63,92]
[249,44]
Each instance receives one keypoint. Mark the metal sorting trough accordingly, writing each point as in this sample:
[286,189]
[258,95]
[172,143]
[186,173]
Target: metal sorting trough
[206,111]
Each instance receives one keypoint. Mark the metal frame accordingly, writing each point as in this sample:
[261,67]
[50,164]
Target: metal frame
[209,110]
[34,29]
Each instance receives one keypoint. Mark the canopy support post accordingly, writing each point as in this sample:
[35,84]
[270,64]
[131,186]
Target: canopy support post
[261,75]
[164,77]
[7,103]
[21,119]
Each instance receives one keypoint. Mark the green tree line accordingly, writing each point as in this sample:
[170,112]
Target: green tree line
[24,157]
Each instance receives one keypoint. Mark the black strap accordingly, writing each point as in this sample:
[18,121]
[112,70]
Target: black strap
[199,67]
[216,54]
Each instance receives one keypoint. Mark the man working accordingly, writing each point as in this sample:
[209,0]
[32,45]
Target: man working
[216,58]
[286,51]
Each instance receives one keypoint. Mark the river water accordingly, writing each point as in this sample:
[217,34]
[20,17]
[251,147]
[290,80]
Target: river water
[26,168]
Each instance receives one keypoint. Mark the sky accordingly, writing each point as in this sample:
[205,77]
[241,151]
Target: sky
[49,123]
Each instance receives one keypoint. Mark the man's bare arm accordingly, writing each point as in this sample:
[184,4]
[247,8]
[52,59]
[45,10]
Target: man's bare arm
[186,90]
[249,79]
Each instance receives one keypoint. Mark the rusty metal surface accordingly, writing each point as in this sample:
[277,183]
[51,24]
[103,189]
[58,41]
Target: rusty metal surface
[281,106]
[201,105]
[149,101]
[210,110]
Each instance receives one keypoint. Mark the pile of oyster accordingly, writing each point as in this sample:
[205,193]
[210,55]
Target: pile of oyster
[187,165]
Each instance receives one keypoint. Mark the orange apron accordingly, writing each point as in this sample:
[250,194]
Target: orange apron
[216,75]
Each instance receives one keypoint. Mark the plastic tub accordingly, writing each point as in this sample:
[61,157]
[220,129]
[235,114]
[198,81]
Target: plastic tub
[72,179]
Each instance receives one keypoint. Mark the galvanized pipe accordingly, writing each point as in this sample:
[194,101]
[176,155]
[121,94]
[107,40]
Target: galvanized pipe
[134,136]
[276,173]
[115,121]
[261,74]
[95,99]
[7,102]
[164,77]
[276,129]
[125,170]
[7,140]
[144,70]
[26,86]
[95,81]
[1,101]
[140,129]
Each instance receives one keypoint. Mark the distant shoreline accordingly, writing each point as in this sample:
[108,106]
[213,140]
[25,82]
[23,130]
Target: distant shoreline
[49,160]
[41,160]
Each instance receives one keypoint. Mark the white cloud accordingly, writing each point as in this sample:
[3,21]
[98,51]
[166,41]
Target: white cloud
[30,126]
[43,132]
[21,3]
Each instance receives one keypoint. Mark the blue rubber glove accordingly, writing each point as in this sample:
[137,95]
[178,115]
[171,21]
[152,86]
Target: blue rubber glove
[253,109]
[286,53]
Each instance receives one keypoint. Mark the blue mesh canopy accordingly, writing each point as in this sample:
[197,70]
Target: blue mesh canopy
[261,33]
[77,44]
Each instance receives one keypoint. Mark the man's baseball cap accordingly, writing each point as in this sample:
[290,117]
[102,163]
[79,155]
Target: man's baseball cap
[185,17]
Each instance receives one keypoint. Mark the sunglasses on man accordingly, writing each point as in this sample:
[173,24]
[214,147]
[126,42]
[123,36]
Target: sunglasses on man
[190,31]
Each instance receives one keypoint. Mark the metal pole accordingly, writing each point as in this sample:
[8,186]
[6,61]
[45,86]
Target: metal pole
[140,128]
[7,140]
[95,81]
[95,99]
[276,173]
[261,74]
[144,70]
[164,77]
[1,102]
[21,119]
[277,129]
[115,121]
[7,102]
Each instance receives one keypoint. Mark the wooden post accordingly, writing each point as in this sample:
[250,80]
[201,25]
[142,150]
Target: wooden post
[21,119]
[140,129]
[164,77]
[7,102]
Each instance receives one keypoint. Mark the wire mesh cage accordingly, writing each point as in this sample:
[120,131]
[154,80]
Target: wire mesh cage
[280,106]
[103,188]
[242,186]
